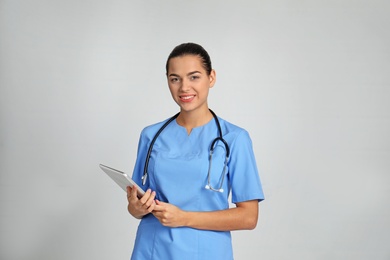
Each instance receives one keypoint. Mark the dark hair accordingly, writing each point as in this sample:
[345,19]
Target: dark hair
[191,49]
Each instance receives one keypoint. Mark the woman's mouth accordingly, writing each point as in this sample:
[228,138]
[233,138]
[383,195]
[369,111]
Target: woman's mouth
[186,98]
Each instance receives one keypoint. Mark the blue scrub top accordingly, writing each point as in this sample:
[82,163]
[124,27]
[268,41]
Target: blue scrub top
[177,171]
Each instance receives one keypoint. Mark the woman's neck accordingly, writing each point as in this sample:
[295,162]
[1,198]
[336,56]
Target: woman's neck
[192,119]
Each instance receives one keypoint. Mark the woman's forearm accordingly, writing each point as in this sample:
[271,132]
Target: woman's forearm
[244,216]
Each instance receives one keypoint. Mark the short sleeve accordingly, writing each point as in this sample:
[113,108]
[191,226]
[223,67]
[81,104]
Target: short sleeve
[243,173]
[140,161]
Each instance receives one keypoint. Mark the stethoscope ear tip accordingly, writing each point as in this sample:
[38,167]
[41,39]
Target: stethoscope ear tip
[144,177]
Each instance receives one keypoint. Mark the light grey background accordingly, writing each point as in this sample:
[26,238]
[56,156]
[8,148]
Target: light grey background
[309,80]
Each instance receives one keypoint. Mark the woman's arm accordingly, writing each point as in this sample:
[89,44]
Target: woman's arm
[243,216]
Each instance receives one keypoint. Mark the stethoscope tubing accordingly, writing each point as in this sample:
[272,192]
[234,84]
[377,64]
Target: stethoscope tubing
[145,174]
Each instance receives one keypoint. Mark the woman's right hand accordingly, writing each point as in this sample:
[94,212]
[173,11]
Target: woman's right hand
[140,207]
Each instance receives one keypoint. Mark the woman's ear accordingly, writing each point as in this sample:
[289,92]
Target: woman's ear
[213,78]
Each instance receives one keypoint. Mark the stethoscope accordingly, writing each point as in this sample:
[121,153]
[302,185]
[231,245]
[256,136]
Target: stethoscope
[212,146]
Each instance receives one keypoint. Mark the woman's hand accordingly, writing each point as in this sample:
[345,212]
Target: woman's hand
[140,207]
[168,214]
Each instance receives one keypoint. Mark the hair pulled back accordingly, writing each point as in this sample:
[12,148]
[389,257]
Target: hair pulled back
[191,49]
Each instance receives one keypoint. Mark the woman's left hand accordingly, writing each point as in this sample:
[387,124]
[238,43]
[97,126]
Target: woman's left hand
[168,214]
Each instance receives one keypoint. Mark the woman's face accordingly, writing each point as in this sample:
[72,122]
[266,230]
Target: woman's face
[189,82]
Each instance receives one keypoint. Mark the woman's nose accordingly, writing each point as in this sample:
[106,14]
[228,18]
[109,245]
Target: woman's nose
[185,85]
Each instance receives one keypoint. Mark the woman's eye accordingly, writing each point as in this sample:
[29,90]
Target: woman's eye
[173,80]
[195,77]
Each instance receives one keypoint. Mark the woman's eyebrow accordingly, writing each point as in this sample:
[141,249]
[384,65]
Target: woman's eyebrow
[193,72]
[188,74]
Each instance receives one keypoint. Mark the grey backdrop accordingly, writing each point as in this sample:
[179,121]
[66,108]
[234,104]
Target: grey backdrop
[308,79]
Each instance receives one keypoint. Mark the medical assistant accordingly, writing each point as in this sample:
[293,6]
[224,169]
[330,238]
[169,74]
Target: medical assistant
[177,171]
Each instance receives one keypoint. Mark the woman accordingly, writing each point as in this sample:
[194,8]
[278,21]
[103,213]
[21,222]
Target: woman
[185,211]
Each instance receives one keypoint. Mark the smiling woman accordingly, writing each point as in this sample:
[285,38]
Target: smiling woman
[185,211]
[189,83]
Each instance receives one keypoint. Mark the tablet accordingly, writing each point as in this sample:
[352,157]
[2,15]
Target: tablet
[122,179]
